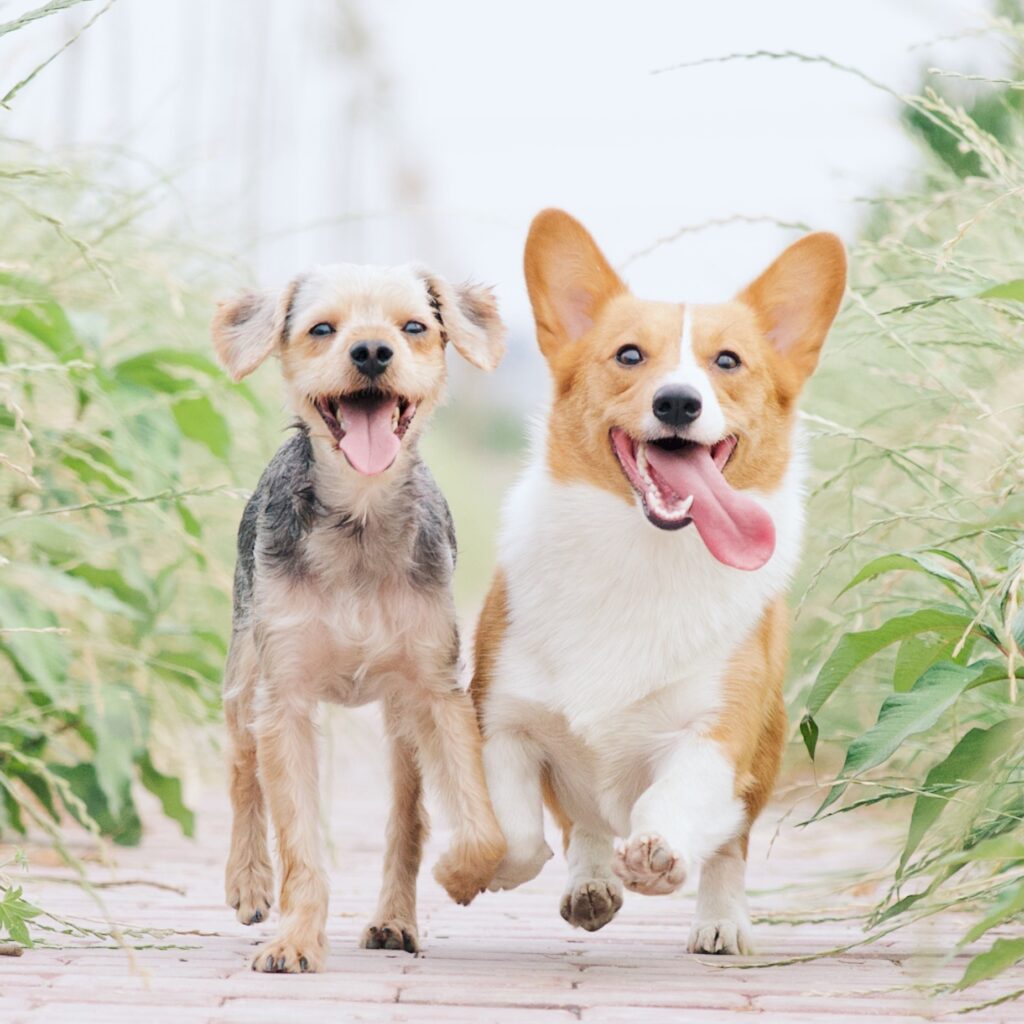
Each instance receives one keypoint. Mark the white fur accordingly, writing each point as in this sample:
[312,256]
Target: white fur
[710,427]
[610,669]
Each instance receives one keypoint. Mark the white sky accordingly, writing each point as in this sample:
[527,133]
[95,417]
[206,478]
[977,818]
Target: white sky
[461,119]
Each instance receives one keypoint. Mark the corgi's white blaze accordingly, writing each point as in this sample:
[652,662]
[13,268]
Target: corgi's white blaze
[610,671]
[710,427]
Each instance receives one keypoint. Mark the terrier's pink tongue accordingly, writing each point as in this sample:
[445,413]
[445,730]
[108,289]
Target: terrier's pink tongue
[736,530]
[369,444]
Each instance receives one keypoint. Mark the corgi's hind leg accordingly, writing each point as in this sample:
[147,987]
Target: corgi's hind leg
[722,924]
[249,875]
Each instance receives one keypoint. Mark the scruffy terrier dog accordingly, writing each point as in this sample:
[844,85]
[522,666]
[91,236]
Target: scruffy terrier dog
[343,593]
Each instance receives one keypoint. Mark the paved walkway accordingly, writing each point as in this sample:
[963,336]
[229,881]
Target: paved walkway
[508,957]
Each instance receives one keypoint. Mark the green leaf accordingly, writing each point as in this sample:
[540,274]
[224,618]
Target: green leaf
[115,725]
[903,715]
[1009,906]
[908,561]
[809,732]
[15,912]
[970,760]
[854,649]
[1007,290]
[999,848]
[125,828]
[192,525]
[917,654]
[112,580]
[32,310]
[199,420]
[167,789]
[1003,954]
[41,657]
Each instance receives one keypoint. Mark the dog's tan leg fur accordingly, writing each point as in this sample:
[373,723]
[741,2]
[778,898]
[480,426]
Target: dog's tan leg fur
[394,925]
[249,875]
[287,748]
[752,733]
[449,741]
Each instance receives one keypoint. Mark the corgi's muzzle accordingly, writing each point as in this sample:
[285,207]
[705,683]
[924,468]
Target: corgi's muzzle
[681,482]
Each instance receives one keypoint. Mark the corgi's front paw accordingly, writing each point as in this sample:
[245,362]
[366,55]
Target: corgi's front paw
[520,865]
[467,868]
[591,904]
[648,865]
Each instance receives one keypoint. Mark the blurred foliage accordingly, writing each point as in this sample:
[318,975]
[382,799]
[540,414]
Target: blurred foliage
[113,433]
[910,622]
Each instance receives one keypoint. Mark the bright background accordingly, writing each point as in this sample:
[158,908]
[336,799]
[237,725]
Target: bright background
[320,131]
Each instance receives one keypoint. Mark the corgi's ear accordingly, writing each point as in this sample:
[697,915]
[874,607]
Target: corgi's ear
[469,319]
[247,328]
[568,279]
[797,298]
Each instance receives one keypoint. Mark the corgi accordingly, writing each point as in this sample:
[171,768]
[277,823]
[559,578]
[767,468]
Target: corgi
[630,653]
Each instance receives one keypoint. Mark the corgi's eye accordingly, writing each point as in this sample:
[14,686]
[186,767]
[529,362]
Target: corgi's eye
[321,330]
[414,327]
[727,360]
[629,355]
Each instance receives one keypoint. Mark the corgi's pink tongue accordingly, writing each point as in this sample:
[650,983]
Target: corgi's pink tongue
[736,530]
[370,443]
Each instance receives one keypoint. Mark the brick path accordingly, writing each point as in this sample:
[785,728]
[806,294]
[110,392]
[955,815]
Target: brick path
[509,957]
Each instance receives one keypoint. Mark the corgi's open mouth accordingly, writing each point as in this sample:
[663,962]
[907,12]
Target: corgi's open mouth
[681,482]
[367,426]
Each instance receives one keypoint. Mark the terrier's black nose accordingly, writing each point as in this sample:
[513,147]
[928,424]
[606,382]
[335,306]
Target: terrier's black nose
[677,405]
[371,358]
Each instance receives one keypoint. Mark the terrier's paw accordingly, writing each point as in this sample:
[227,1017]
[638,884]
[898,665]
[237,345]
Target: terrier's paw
[250,892]
[591,904]
[292,954]
[467,868]
[391,934]
[731,937]
[519,866]
[648,865]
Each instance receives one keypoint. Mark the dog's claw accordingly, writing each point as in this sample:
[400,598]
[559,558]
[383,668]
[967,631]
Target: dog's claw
[303,963]
[257,915]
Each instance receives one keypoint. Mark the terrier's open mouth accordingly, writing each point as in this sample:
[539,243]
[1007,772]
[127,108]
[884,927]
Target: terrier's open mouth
[367,426]
[681,482]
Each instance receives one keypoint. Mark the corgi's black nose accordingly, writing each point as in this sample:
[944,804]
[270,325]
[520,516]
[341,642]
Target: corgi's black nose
[371,358]
[677,405]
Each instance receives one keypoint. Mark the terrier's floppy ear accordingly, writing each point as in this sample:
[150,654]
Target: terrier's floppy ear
[797,298]
[246,329]
[568,279]
[468,317]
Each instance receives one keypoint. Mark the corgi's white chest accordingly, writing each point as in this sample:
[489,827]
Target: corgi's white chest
[608,613]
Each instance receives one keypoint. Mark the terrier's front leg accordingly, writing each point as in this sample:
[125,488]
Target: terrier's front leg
[394,925]
[450,743]
[513,765]
[686,814]
[287,752]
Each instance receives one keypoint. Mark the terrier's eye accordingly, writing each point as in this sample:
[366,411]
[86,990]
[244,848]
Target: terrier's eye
[727,360]
[629,355]
[321,330]
[414,327]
